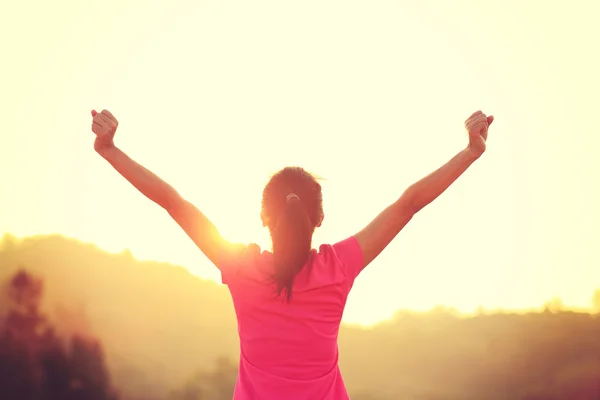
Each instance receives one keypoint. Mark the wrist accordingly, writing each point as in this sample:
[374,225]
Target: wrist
[472,154]
[106,151]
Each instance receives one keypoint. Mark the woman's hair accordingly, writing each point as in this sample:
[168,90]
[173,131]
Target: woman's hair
[292,206]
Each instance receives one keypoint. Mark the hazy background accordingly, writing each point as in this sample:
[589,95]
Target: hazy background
[77,323]
[215,96]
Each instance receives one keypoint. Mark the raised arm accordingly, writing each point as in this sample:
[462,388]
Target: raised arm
[195,224]
[375,237]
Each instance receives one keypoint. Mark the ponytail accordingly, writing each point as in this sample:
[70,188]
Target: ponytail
[292,239]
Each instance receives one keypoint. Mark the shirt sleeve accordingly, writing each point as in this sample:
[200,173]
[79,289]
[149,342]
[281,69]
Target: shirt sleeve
[350,255]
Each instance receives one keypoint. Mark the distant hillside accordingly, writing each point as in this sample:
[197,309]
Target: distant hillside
[159,326]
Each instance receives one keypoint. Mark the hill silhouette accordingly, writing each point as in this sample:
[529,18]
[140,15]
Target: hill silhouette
[152,330]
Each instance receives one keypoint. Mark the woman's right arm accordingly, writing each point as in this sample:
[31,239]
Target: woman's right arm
[195,224]
[149,184]
[376,236]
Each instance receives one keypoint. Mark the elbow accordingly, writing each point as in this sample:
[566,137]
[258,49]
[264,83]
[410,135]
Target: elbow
[409,201]
[171,201]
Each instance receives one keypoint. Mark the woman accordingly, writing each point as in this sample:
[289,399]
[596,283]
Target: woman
[289,302]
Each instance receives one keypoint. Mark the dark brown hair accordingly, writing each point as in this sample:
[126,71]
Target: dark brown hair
[292,205]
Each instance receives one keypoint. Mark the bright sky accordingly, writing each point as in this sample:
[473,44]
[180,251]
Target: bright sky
[216,95]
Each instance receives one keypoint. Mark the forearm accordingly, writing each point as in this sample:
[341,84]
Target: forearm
[433,185]
[141,178]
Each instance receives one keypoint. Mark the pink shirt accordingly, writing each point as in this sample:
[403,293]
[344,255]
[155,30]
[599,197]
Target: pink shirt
[289,350]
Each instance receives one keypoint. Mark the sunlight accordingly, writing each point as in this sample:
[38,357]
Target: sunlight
[211,100]
[492,289]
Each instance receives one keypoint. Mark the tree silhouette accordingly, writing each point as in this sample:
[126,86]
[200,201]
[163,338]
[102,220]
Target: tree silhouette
[35,364]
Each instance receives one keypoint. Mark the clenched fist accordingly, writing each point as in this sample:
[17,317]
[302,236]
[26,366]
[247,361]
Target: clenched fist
[104,125]
[477,126]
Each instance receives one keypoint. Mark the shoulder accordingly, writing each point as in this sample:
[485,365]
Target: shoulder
[349,255]
[238,257]
[331,264]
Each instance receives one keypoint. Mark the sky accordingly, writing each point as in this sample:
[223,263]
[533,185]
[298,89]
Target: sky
[215,96]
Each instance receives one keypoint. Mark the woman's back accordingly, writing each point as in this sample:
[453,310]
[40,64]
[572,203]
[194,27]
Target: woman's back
[291,346]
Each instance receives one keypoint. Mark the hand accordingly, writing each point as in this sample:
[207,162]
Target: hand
[104,125]
[477,126]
